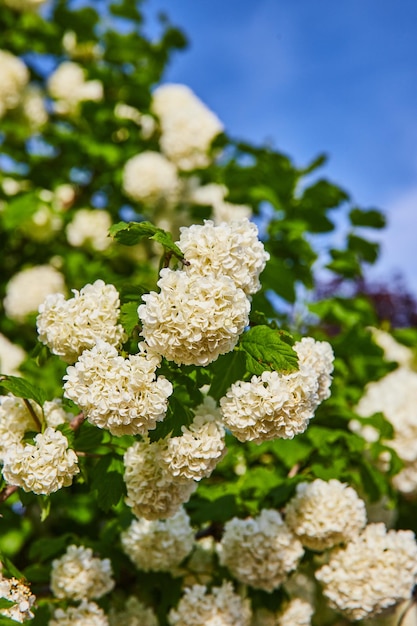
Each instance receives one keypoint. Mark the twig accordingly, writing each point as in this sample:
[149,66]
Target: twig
[76,422]
[33,414]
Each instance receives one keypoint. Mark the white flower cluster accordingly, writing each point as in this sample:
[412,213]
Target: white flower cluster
[275,405]
[153,492]
[221,607]
[395,395]
[24,5]
[232,250]
[188,127]
[159,546]
[135,613]
[393,351]
[85,614]
[298,612]
[67,85]
[16,591]
[27,289]
[150,178]
[42,468]
[78,575]
[196,453]
[90,228]
[214,195]
[14,77]
[323,514]
[16,419]
[317,356]
[194,318]
[375,571]
[121,395]
[68,327]
[32,107]
[11,356]
[260,551]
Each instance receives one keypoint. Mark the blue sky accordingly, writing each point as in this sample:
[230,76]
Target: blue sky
[314,76]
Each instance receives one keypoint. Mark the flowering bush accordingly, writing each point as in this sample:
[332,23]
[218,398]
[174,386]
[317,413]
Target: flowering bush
[191,437]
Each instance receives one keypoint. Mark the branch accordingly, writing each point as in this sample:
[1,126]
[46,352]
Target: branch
[76,422]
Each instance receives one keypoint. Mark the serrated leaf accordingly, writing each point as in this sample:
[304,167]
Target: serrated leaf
[227,369]
[21,388]
[264,349]
[129,316]
[132,233]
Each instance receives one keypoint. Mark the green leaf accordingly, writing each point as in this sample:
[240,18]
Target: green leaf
[9,569]
[88,438]
[21,388]
[129,316]
[227,369]
[6,621]
[45,548]
[291,451]
[178,415]
[6,604]
[371,218]
[366,250]
[132,233]
[107,481]
[264,349]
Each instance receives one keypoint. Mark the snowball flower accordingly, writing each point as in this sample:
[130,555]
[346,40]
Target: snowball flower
[152,492]
[16,591]
[323,514]
[42,468]
[122,395]
[16,419]
[159,546]
[232,250]
[221,607]
[194,318]
[317,356]
[393,351]
[214,195]
[260,551]
[270,406]
[150,178]
[188,127]
[11,357]
[298,612]
[27,289]
[69,87]
[135,613]
[14,77]
[196,453]
[32,106]
[68,327]
[85,614]
[374,572]
[90,228]
[78,575]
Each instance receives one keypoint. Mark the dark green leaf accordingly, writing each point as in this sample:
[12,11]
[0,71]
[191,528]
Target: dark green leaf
[227,369]
[44,549]
[107,481]
[88,438]
[129,316]
[371,218]
[265,350]
[132,233]
[21,388]
[6,604]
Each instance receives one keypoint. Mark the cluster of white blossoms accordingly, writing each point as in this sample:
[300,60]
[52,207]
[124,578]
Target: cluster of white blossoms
[67,85]
[197,451]
[27,289]
[393,351]
[85,614]
[16,418]
[32,107]
[42,468]
[374,572]
[260,551]
[221,607]
[11,356]
[298,612]
[68,327]
[16,591]
[323,514]
[78,575]
[188,127]
[214,195]
[150,178]
[14,76]
[121,395]
[275,405]
[135,613]
[232,250]
[159,546]
[193,319]
[90,228]
[152,491]
[394,395]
